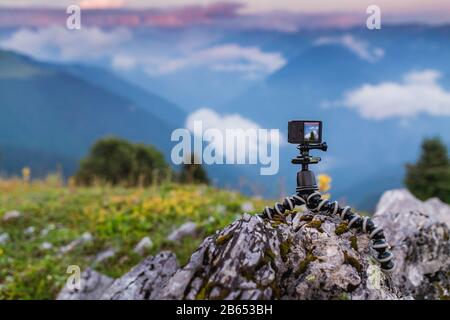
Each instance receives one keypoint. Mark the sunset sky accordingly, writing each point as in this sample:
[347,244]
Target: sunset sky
[255,6]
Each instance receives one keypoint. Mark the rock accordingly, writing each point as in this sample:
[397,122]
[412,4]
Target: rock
[255,259]
[45,231]
[144,281]
[4,237]
[419,235]
[29,230]
[247,207]
[11,215]
[401,201]
[46,246]
[85,237]
[305,256]
[93,286]
[143,245]
[104,255]
[187,229]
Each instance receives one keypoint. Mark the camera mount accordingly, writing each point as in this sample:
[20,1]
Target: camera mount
[308,195]
[306,180]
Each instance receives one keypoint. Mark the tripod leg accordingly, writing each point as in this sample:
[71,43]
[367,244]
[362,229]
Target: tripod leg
[315,203]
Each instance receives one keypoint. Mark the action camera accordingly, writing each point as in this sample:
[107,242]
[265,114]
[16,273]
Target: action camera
[305,131]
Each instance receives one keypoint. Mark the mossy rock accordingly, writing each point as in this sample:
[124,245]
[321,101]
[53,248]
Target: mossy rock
[285,247]
[341,228]
[348,259]
[303,265]
[224,238]
[354,242]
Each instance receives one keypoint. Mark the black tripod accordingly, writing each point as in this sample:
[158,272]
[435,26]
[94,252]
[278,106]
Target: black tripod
[307,194]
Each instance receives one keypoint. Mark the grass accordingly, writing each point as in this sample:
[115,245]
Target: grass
[116,217]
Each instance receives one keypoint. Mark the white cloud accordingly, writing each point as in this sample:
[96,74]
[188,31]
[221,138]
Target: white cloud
[123,62]
[61,44]
[223,58]
[57,43]
[212,120]
[361,48]
[418,93]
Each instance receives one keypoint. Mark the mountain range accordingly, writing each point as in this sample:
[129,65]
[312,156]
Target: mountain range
[61,110]
[52,113]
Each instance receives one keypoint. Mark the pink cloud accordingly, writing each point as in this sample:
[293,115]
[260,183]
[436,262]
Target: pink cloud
[102,4]
[108,13]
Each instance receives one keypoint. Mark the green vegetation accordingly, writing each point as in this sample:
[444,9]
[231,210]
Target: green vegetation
[341,228]
[116,217]
[193,173]
[348,259]
[303,265]
[430,176]
[116,161]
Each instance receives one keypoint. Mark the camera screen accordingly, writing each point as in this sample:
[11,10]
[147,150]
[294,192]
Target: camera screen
[311,131]
[304,131]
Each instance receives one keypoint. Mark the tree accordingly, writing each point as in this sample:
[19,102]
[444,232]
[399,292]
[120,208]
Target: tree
[150,165]
[114,160]
[430,176]
[193,173]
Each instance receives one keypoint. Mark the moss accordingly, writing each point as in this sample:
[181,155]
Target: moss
[275,290]
[344,296]
[306,217]
[348,259]
[275,224]
[315,224]
[303,265]
[285,247]
[442,295]
[248,274]
[269,256]
[446,235]
[204,291]
[354,242]
[341,229]
[223,238]
[310,278]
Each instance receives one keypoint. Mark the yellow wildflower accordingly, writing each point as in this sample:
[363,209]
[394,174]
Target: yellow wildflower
[26,173]
[324,185]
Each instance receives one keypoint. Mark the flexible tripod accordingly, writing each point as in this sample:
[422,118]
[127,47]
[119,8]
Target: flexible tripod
[307,194]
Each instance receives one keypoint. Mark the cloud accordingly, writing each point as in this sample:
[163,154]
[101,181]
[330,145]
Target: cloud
[56,43]
[212,120]
[123,62]
[102,4]
[59,43]
[224,58]
[361,48]
[418,93]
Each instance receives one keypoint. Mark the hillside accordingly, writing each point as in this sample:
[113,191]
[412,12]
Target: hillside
[46,108]
[158,106]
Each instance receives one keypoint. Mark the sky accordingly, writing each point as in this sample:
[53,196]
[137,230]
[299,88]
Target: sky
[400,7]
